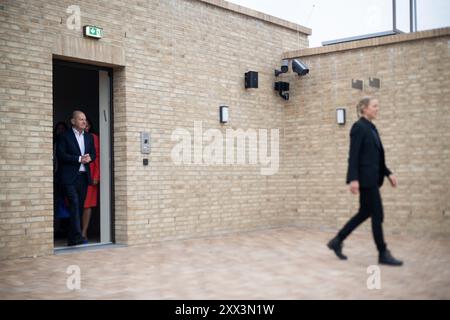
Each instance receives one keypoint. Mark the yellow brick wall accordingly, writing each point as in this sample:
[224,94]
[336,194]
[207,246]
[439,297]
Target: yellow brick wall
[181,59]
[414,123]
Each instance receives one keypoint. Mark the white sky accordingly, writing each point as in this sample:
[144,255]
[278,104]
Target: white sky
[335,19]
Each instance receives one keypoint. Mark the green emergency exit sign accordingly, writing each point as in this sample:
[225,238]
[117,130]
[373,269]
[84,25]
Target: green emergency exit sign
[93,32]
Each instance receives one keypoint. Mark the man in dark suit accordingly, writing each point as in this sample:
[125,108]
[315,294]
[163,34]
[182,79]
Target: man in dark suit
[366,171]
[75,152]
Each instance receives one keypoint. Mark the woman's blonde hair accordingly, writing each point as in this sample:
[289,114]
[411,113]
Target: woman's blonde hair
[362,104]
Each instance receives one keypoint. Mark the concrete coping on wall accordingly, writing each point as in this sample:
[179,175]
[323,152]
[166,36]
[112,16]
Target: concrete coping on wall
[258,15]
[373,42]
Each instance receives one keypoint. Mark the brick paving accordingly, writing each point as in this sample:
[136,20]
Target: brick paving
[285,263]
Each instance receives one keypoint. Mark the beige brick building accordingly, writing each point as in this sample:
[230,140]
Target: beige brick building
[173,63]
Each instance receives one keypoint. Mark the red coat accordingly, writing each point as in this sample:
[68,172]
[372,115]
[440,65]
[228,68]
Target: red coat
[95,166]
[92,191]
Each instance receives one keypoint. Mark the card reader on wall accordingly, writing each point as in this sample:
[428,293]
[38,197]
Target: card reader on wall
[145,143]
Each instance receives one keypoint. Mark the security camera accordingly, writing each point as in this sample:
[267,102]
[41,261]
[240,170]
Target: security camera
[299,67]
[281,87]
[284,68]
[285,95]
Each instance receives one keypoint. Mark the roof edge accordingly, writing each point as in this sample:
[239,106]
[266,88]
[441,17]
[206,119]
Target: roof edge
[372,42]
[258,15]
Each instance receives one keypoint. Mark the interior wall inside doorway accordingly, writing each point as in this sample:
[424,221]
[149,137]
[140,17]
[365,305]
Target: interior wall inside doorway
[75,88]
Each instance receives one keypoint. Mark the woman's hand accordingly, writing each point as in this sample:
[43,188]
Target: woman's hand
[393,180]
[354,187]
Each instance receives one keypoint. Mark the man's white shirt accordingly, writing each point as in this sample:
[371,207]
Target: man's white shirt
[80,139]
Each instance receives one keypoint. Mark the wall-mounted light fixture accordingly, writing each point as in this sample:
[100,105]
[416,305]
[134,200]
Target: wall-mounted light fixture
[357,84]
[374,83]
[340,116]
[224,115]
[251,79]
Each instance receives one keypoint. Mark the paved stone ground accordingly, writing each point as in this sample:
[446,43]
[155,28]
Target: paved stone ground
[286,263]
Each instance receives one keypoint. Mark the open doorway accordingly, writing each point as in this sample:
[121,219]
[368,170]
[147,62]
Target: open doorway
[86,88]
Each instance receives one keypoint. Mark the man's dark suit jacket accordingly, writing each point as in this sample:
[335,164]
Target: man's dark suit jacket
[68,153]
[366,161]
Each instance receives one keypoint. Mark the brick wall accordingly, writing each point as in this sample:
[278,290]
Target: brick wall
[414,123]
[175,62]
[195,64]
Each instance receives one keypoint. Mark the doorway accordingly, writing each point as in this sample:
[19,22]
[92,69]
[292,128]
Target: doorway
[87,88]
